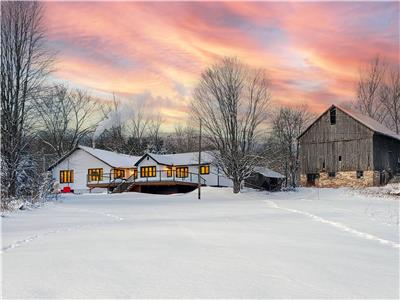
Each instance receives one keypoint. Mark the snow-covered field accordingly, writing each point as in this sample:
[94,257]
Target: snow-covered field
[310,244]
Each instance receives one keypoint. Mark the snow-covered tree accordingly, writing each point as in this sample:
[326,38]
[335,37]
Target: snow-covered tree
[25,62]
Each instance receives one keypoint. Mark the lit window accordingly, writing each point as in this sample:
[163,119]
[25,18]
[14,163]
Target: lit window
[169,172]
[66,176]
[182,172]
[205,169]
[95,174]
[332,113]
[148,171]
[119,173]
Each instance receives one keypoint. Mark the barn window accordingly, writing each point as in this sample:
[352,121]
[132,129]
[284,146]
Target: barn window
[340,158]
[332,114]
[332,174]
[323,164]
[360,174]
[66,176]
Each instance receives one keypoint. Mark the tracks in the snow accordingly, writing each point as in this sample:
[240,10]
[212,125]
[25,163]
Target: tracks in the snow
[29,239]
[337,225]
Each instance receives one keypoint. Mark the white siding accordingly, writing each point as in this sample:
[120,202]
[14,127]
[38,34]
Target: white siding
[79,161]
[211,179]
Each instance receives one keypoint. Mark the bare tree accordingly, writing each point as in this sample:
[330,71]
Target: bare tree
[287,125]
[232,101]
[66,116]
[138,127]
[184,139]
[155,139]
[25,62]
[369,90]
[390,98]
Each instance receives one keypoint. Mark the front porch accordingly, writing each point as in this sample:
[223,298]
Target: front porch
[161,181]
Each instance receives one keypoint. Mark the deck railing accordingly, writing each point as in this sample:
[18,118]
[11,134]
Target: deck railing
[159,176]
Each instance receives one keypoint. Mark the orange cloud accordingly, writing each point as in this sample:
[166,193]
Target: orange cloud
[312,51]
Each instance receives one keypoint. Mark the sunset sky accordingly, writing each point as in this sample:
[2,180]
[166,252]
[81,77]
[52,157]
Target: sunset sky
[155,52]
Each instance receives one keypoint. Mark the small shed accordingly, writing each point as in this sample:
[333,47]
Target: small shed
[265,179]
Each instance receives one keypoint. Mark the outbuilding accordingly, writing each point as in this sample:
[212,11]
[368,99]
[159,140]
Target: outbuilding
[343,147]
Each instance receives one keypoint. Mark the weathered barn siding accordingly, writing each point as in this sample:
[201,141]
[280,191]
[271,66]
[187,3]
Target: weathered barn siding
[344,146]
[386,153]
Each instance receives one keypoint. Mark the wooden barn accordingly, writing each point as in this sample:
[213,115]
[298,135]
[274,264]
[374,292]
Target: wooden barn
[342,147]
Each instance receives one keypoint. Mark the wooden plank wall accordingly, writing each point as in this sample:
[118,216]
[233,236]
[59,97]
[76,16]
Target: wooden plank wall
[325,142]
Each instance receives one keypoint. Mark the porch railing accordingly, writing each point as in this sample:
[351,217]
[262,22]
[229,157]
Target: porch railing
[159,176]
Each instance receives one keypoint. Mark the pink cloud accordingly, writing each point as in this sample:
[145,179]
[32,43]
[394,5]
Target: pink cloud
[312,51]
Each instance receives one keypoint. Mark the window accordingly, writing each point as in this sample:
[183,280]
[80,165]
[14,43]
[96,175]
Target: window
[182,172]
[119,173]
[205,169]
[323,164]
[331,174]
[135,173]
[340,158]
[169,172]
[66,176]
[332,114]
[148,171]
[360,174]
[95,174]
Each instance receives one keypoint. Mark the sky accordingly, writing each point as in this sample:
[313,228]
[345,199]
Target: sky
[154,52]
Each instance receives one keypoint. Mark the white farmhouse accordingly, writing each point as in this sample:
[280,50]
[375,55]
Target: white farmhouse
[88,169]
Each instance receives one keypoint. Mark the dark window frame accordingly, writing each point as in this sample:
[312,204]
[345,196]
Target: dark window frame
[66,178]
[205,169]
[95,174]
[148,171]
[182,172]
[332,115]
[331,174]
[118,173]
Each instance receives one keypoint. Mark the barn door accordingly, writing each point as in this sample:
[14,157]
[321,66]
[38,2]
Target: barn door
[311,179]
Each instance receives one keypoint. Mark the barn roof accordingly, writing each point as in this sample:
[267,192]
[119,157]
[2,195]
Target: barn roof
[363,119]
[369,122]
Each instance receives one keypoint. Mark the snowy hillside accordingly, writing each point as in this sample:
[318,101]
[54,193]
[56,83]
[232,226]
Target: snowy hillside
[310,243]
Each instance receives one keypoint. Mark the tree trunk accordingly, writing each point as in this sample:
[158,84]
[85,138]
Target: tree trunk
[236,186]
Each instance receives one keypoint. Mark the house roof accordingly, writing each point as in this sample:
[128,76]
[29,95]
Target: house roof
[189,158]
[110,158]
[113,159]
[363,119]
[268,172]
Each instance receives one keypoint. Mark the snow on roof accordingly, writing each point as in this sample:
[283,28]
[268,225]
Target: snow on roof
[369,122]
[189,158]
[268,172]
[112,158]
